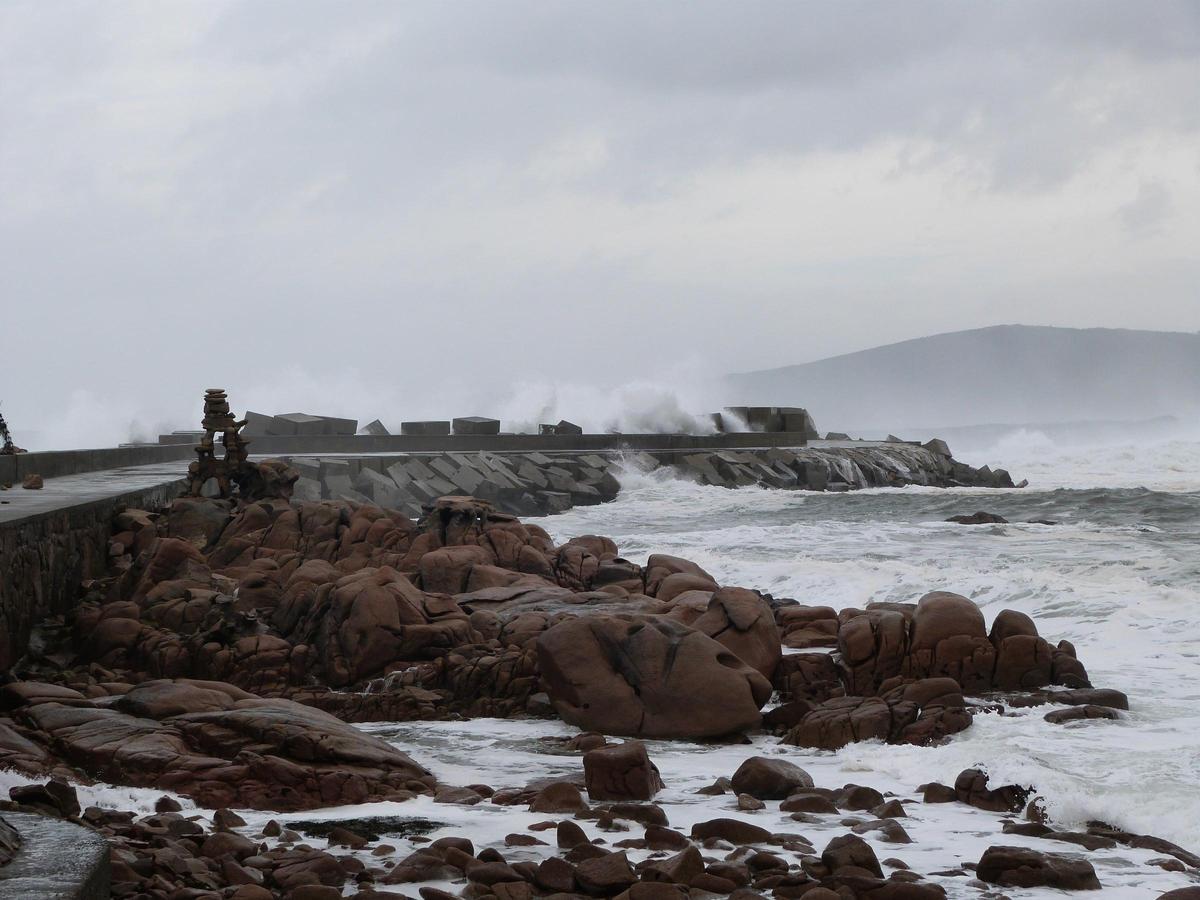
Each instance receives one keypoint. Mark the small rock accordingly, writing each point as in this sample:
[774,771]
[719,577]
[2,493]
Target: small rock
[749,804]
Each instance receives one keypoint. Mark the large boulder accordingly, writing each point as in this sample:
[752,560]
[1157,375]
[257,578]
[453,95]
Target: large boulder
[648,677]
[1024,660]
[873,646]
[948,639]
[740,620]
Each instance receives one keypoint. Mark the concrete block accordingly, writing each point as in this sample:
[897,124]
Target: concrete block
[469,460]
[334,466]
[586,495]
[258,425]
[475,425]
[8,469]
[596,462]
[565,427]
[434,428]
[798,421]
[766,419]
[938,446]
[336,425]
[443,487]
[367,481]
[307,467]
[836,436]
[563,482]
[375,428]
[418,471]
[337,485]
[399,474]
[738,416]
[539,459]
[443,466]
[301,423]
[466,479]
[702,465]
[423,491]
[353,496]
[372,463]
[555,501]
[780,454]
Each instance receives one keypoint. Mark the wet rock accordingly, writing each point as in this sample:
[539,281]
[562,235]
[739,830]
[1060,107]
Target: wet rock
[786,716]
[935,792]
[54,798]
[849,850]
[297,757]
[605,876]
[570,835]
[678,869]
[559,797]
[621,772]
[808,803]
[555,875]
[1022,867]
[747,803]
[1079,713]
[979,518]
[769,778]
[857,796]
[659,837]
[226,820]
[648,678]
[812,677]
[801,626]
[971,788]
[522,840]
[733,830]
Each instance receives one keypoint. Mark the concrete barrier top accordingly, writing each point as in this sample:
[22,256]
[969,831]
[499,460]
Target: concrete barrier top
[57,861]
[69,491]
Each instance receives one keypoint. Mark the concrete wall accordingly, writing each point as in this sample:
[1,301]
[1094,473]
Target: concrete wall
[45,556]
[57,860]
[323,445]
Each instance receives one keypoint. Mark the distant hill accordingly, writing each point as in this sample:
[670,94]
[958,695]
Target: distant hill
[1004,374]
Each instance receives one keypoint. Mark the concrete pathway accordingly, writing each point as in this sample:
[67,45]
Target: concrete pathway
[16,503]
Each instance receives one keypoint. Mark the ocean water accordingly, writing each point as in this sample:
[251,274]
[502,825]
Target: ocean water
[1118,575]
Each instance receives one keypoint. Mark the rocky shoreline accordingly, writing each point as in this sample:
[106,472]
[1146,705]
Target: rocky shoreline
[230,643]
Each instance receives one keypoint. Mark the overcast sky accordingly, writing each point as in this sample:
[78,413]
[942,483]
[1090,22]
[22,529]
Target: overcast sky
[404,208]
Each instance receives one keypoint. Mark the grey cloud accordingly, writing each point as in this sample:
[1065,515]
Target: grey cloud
[441,196]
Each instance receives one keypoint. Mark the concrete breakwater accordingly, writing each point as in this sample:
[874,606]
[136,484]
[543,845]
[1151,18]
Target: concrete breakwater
[58,537]
[540,483]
